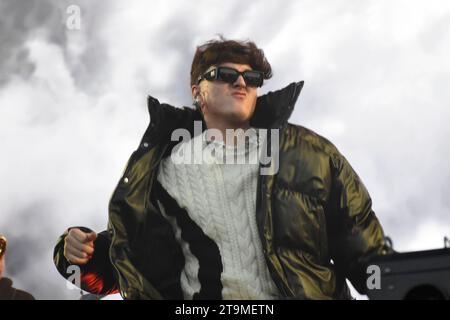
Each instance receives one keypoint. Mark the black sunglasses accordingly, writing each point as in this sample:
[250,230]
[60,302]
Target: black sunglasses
[229,75]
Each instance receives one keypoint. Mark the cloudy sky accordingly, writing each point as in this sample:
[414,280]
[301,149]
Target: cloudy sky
[73,104]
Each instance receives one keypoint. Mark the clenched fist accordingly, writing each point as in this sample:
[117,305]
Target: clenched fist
[79,246]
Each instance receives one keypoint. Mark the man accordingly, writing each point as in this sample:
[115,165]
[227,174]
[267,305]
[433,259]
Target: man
[7,291]
[212,229]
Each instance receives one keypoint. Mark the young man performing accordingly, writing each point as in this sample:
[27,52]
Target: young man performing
[206,228]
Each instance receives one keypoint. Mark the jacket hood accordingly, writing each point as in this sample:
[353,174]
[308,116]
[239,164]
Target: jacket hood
[272,110]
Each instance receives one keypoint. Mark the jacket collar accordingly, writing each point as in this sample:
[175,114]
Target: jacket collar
[272,110]
[5,283]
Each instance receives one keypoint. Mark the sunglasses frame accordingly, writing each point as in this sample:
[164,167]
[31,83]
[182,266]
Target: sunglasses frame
[214,74]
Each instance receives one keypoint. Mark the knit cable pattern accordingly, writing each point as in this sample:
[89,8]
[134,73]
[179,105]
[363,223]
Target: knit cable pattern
[221,200]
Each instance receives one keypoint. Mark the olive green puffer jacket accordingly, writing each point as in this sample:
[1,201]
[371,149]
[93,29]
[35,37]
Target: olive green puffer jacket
[314,215]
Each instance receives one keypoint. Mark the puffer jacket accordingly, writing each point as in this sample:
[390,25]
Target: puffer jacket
[314,216]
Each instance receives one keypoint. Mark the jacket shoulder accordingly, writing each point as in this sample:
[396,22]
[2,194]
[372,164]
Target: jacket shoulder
[307,137]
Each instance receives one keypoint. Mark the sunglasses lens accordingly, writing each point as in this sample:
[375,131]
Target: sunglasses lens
[228,75]
[253,79]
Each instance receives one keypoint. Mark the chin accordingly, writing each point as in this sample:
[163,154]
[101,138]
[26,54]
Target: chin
[238,113]
[240,116]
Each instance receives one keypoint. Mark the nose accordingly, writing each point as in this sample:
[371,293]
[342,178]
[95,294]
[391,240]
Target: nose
[240,82]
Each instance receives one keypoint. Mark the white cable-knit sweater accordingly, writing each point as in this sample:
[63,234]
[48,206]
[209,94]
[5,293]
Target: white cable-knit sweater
[221,200]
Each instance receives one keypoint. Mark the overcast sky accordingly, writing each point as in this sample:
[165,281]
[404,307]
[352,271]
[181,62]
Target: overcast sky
[73,104]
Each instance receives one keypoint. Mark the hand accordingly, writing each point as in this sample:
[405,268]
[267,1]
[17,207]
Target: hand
[79,246]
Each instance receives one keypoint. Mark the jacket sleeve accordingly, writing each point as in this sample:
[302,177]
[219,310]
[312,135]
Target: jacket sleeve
[97,275]
[355,233]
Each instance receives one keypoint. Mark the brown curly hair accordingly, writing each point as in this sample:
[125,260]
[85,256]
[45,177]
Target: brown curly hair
[214,52]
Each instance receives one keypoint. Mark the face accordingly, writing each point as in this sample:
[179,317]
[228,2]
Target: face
[2,255]
[230,103]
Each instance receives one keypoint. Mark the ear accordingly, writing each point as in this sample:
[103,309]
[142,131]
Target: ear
[195,90]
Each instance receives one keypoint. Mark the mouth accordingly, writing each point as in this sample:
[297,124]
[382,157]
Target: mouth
[239,95]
